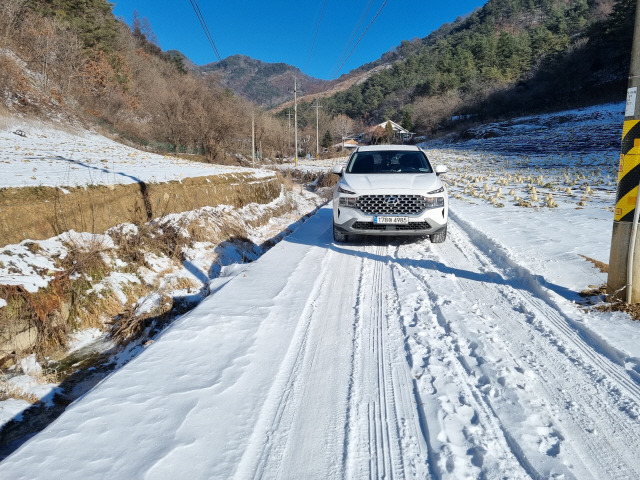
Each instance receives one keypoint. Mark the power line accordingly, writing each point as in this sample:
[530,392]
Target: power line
[196,8]
[352,37]
[361,37]
[315,37]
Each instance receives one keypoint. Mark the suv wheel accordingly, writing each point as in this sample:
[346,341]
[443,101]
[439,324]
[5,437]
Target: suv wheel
[440,236]
[338,236]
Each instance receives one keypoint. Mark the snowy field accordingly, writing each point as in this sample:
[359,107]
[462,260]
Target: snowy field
[475,358]
[546,209]
[34,154]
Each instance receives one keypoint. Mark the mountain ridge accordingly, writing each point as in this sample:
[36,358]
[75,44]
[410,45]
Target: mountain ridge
[267,84]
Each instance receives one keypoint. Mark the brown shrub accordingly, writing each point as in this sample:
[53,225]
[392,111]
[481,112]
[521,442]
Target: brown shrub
[45,311]
[12,79]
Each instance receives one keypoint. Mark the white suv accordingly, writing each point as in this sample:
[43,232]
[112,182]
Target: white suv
[390,190]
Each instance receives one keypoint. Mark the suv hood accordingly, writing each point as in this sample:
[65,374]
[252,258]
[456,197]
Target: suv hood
[420,183]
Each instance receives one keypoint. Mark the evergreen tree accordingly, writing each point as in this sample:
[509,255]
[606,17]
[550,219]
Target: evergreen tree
[407,122]
[92,20]
[327,140]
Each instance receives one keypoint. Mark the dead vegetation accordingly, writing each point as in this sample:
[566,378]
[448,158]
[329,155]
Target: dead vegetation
[321,183]
[8,391]
[40,322]
[603,267]
[129,325]
[615,305]
[597,298]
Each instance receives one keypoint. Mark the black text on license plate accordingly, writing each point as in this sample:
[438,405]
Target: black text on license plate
[391,220]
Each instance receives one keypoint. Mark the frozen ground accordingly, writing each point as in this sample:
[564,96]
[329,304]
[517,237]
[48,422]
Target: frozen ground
[33,154]
[393,358]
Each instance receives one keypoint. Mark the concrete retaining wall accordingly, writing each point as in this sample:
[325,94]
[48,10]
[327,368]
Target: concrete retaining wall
[38,213]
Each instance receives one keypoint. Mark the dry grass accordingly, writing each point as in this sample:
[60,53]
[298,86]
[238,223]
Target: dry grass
[321,183]
[603,267]
[596,297]
[96,309]
[86,258]
[286,179]
[128,326]
[166,240]
[9,391]
[182,283]
[200,231]
[615,305]
[43,311]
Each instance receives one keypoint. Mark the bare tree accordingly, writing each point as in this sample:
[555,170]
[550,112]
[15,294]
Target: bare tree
[342,126]
[11,11]
[431,112]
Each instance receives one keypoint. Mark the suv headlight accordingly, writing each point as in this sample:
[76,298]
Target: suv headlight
[434,202]
[344,190]
[347,201]
[440,190]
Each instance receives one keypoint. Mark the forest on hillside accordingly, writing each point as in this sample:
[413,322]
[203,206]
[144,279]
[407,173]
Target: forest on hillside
[73,59]
[506,58]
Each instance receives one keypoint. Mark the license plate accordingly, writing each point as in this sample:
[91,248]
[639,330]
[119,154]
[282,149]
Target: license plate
[391,220]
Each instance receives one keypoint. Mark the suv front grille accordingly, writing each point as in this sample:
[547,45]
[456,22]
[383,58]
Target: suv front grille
[391,204]
[398,227]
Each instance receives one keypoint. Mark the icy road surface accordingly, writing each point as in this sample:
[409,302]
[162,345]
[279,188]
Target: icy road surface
[382,359]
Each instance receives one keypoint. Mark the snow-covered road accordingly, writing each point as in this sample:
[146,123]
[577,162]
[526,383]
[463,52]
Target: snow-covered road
[380,359]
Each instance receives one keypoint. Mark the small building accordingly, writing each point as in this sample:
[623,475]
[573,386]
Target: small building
[346,145]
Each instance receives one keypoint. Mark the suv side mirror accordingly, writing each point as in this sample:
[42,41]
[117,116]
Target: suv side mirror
[440,169]
[338,170]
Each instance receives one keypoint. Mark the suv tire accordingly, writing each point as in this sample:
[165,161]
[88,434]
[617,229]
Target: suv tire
[338,236]
[440,236]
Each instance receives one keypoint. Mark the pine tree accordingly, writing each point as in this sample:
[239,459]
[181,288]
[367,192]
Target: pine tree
[327,140]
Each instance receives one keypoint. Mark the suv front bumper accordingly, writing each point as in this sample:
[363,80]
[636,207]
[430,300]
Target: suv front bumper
[352,221]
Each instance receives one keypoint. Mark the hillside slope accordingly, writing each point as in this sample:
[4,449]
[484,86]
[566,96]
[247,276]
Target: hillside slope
[505,58]
[267,84]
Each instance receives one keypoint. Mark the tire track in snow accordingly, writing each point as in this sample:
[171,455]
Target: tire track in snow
[605,407]
[536,338]
[465,437]
[607,360]
[385,438]
[272,451]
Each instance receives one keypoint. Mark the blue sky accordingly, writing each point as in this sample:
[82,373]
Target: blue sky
[284,31]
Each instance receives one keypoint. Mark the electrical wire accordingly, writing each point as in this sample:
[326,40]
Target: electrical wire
[196,8]
[361,37]
[315,37]
[352,37]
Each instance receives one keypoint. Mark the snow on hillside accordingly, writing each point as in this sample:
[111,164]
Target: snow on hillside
[476,358]
[33,154]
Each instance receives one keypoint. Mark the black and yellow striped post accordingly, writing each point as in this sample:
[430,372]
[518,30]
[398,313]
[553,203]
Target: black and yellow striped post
[628,181]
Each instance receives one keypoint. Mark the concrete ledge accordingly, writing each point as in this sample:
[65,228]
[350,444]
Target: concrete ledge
[38,213]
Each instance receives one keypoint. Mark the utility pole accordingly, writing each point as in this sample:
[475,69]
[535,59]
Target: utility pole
[317,106]
[624,261]
[289,114]
[253,139]
[295,116]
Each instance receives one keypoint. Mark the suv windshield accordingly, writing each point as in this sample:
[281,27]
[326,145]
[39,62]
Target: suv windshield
[389,161]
